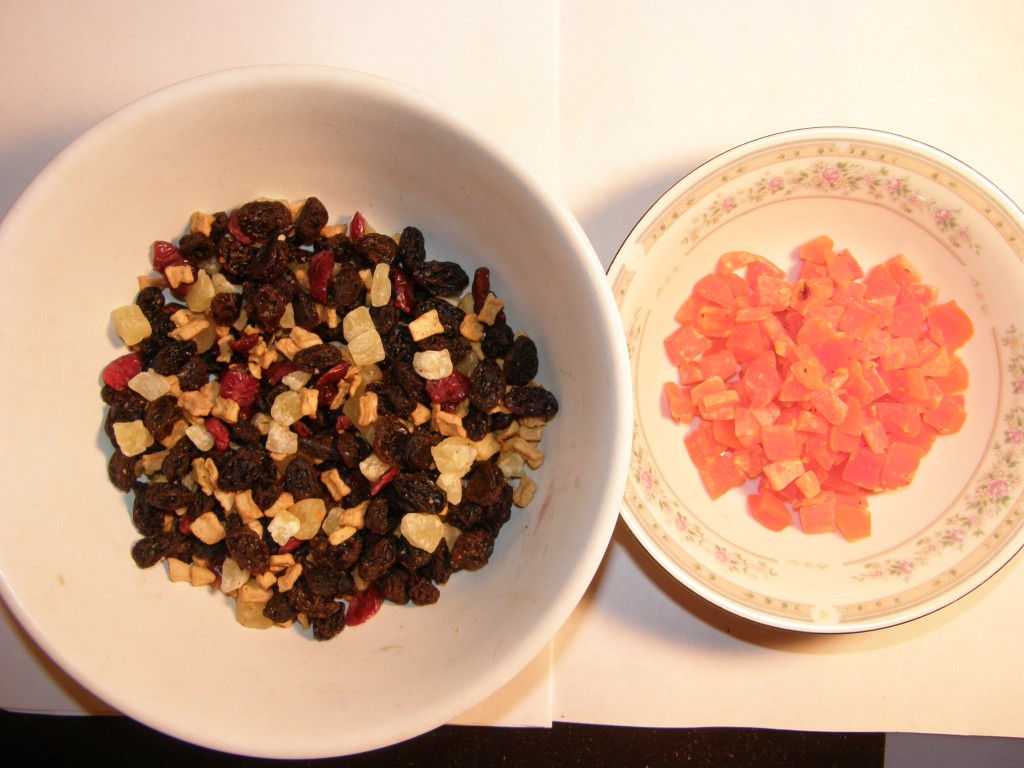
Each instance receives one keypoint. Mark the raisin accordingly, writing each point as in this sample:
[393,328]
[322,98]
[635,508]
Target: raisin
[168,496]
[416,492]
[476,423]
[121,470]
[225,308]
[378,559]
[416,453]
[314,606]
[464,515]
[411,249]
[287,284]
[246,547]
[440,569]
[346,290]
[385,318]
[196,247]
[150,550]
[302,480]
[441,278]
[394,586]
[317,358]
[234,257]
[412,558]
[327,627]
[304,310]
[351,449]
[449,315]
[399,345]
[378,248]
[521,363]
[324,581]
[266,306]
[178,461]
[484,484]
[245,432]
[487,385]
[341,556]
[264,219]
[472,550]
[311,219]
[128,405]
[422,591]
[172,357]
[245,467]
[269,262]
[279,610]
[392,399]
[377,518]
[193,375]
[497,340]
[146,519]
[160,416]
[389,439]
[531,402]
[496,515]
[151,301]
[321,446]
[265,493]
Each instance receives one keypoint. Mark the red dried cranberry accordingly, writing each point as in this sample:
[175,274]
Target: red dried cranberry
[221,438]
[363,605]
[327,393]
[334,375]
[481,287]
[357,228]
[342,424]
[119,372]
[402,289]
[452,389]
[166,255]
[185,524]
[383,480]
[289,546]
[245,343]
[236,230]
[301,429]
[239,385]
[321,265]
[277,371]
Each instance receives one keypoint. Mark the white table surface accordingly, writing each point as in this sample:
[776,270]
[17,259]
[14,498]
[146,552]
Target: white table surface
[609,104]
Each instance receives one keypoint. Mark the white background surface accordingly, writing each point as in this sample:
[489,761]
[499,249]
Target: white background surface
[610,104]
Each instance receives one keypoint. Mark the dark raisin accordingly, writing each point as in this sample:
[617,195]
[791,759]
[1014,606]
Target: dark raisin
[244,467]
[127,405]
[416,492]
[416,453]
[151,301]
[264,219]
[464,515]
[200,504]
[121,470]
[377,518]
[378,559]
[146,519]
[521,363]
[487,385]
[440,569]
[324,581]
[225,308]
[317,358]
[340,557]
[385,318]
[484,484]
[399,345]
[197,248]
[500,421]
[346,290]
[178,461]
[150,550]
[441,278]
[321,446]
[269,262]
[279,610]
[311,219]
[496,515]
[378,248]
[314,606]
[266,306]
[172,357]
[449,315]
[246,547]
[456,344]
[412,558]
[422,591]
[476,423]
[405,376]
[327,627]
[193,375]
[161,415]
[411,250]
[168,496]
[531,402]
[351,449]
[287,284]
[392,399]
[304,310]
[394,586]
[265,493]
[472,550]
[389,438]
[234,257]
[302,480]
[497,340]
[245,432]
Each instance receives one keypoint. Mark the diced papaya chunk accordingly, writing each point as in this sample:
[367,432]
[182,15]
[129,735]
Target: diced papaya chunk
[680,404]
[853,522]
[948,417]
[770,510]
[818,515]
[901,463]
[721,476]
[949,325]
[715,289]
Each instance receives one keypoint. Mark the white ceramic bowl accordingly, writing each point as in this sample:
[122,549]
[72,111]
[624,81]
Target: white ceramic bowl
[171,656]
[878,195]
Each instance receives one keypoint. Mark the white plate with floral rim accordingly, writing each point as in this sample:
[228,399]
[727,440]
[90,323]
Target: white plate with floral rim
[878,195]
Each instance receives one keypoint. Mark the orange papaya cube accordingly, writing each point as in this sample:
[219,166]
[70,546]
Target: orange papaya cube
[908,320]
[689,374]
[900,353]
[880,282]
[834,352]
[808,484]
[774,292]
[714,289]
[737,285]
[780,442]
[815,330]
[688,310]
[811,271]
[949,325]
[709,386]
[735,260]
[751,460]
[818,450]
[853,424]
[792,391]
[842,266]
[829,404]
[818,515]
[905,384]
[924,438]
[901,463]
[875,436]
[919,293]
[902,271]
[899,419]
[957,378]
[770,510]
[875,383]
[721,476]
[724,432]
[847,293]
[864,469]
[685,345]
[948,417]
[754,314]
[852,521]
[680,404]
[817,250]
[719,406]
[809,371]
[829,313]
[843,442]
[773,328]
[747,427]
[702,447]
[766,414]
[809,421]
[858,320]
[761,379]
[811,291]
[714,322]
[936,361]
[781,473]
[721,364]
[746,342]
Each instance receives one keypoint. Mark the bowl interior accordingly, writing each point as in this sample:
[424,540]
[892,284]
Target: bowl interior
[171,656]
[878,196]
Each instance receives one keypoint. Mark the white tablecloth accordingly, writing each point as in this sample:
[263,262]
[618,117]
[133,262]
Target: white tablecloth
[610,104]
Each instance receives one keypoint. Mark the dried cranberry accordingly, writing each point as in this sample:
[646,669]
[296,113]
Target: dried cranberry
[342,424]
[277,371]
[120,371]
[289,546]
[239,385]
[244,343]
[481,287]
[334,375]
[321,265]
[221,438]
[166,255]
[357,228]
[403,290]
[452,389]
[185,524]
[383,481]
[363,605]
[236,230]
